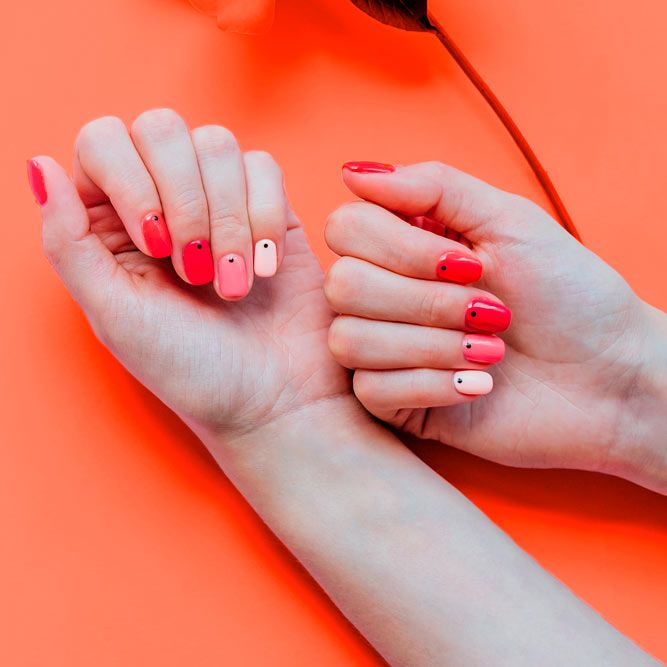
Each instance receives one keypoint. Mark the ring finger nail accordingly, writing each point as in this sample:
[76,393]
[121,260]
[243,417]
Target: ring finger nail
[459,268]
[156,235]
[487,316]
[198,262]
[473,383]
[483,349]
[266,258]
[232,276]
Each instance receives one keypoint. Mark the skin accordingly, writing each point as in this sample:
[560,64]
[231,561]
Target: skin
[582,384]
[417,568]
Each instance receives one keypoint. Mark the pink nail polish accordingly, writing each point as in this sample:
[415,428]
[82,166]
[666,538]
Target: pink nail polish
[486,316]
[156,235]
[473,383]
[198,262]
[36,180]
[362,167]
[232,276]
[266,258]
[457,267]
[479,349]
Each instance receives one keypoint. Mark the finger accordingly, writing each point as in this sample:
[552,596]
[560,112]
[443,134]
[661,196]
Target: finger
[163,141]
[82,261]
[384,392]
[223,175]
[107,167]
[360,343]
[268,211]
[458,200]
[356,287]
[369,232]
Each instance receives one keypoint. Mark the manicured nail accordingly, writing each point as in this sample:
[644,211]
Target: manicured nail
[457,267]
[266,258]
[156,235]
[473,383]
[427,224]
[483,349]
[36,180]
[232,276]
[369,167]
[487,316]
[198,262]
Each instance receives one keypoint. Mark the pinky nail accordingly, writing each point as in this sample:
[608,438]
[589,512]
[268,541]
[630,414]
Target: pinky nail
[486,316]
[266,258]
[473,383]
[36,180]
[457,267]
[362,167]
[156,235]
[483,349]
[232,276]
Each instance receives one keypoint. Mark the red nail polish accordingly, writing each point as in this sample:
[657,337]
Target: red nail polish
[369,167]
[456,267]
[36,180]
[156,235]
[487,316]
[483,349]
[198,262]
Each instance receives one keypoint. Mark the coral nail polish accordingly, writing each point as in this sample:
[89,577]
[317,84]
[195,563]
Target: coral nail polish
[232,276]
[473,383]
[198,262]
[156,235]
[36,180]
[483,349]
[266,258]
[487,316]
[362,167]
[457,267]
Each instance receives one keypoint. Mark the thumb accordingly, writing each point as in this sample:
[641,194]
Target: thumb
[80,258]
[451,197]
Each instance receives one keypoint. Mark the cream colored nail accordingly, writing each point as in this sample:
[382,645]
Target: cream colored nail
[266,258]
[473,383]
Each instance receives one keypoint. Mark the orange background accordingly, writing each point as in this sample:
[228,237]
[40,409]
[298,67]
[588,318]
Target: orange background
[122,544]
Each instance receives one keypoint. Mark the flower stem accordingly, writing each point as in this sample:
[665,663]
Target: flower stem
[505,118]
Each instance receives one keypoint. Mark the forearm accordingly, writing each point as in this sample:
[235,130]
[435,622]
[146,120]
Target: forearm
[417,568]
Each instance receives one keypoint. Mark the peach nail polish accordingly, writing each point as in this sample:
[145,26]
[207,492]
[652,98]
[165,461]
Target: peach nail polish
[232,276]
[483,349]
[266,258]
[473,383]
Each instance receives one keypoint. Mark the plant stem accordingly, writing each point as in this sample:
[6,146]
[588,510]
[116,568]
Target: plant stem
[505,118]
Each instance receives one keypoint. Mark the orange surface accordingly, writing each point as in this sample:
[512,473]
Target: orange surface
[122,544]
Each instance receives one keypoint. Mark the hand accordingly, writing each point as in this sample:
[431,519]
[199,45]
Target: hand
[576,355]
[224,366]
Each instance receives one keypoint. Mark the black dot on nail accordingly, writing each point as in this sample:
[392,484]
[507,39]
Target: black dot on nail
[231,260]
[468,345]
[199,246]
[443,268]
[155,217]
[266,245]
[460,381]
[473,313]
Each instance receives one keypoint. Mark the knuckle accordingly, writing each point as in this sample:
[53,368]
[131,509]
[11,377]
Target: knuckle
[227,218]
[98,131]
[341,343]
[339,223]
[189,205]
[363,387]
[338,282]
[214,141]
[261,157]
[158,124]
[433,304]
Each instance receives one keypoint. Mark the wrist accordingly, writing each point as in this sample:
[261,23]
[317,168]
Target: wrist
[641,440]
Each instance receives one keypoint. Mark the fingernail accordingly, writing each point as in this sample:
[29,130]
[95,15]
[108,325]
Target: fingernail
[232,276]
[487,316]
[427,224]
[483,349]
[473,383]
[266,258]
[457,267]
[156,235]
[36,180]
[198,262]
[369,167]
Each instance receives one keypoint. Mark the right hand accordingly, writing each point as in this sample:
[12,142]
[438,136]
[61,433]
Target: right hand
[576,353]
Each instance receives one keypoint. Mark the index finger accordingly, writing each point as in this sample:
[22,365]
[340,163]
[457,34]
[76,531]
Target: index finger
[369,232]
